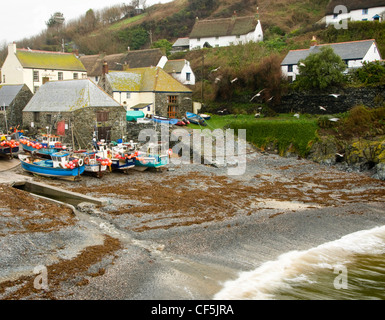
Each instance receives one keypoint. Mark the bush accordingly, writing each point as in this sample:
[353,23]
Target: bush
[371,73]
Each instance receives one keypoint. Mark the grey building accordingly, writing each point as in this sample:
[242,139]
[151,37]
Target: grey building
[13,99]
[76,110]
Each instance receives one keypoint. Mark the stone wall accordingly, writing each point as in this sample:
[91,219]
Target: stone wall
[349,97]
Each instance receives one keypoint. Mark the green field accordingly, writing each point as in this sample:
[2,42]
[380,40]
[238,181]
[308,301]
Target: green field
[285,132]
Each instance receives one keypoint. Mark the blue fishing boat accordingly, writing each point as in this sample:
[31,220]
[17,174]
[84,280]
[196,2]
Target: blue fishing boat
[43,146]
[59,166]
[123,156]
[195,119]
[152,157]
[160,119]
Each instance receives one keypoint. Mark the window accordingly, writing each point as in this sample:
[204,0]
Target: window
[290,68]
[188,76]
[365,11]
[36,76]
[102,116]
[60,76]
[49,118]
[76,75]
[35,88]
[172,106]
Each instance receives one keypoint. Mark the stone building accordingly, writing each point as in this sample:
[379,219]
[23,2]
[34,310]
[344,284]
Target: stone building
[76,110]
[151,90]
[13,99]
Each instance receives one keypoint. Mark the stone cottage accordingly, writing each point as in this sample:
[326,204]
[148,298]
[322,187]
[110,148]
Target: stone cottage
[151,90]
[77,110]
[13,99]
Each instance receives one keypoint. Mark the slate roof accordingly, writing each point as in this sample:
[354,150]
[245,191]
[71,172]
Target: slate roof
[49,60]
[182,42]
[68,96]
[354,4]
[116,62]
[152,79]
[8,93]
[353,50]
[223,27]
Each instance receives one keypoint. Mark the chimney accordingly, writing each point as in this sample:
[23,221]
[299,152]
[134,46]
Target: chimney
[313,41]
[128,48]
[12,48]
[105,68]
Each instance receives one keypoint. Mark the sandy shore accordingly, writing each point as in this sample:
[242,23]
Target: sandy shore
[180,233]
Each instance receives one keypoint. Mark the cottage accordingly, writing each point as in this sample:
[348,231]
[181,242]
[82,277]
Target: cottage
[225,32]
[180,70]
[357,10]
[120,61]
[34,68]
[13,99]
[181,45]
[151,90]
[75,109]
[354,53]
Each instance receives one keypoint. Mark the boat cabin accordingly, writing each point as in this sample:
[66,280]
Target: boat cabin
[60,159]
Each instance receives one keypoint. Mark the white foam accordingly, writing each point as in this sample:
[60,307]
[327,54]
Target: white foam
[260,283]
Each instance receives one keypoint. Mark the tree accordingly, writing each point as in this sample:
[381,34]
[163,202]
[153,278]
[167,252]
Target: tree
[163,44]
[56,21]
[321,70]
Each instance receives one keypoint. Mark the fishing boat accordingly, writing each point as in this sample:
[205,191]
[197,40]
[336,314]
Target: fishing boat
[61,165]
[160,119]
[96,161]
[195,119]
[123,156]
[151,156]
[42,146]
[8,146]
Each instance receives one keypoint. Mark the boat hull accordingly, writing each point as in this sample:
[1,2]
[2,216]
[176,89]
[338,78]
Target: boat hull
[43,167]
[152,161]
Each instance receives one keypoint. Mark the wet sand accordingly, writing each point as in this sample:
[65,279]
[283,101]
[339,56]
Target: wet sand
[180,233]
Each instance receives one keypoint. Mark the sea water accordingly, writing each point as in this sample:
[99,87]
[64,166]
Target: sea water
[352,267]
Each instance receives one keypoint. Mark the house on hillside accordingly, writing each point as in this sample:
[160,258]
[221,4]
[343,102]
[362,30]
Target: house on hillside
[354,53]
[181,45]
[75,109]
[34,68]
[120,61]
[180,70]
[151,90]
[13,99]
[356,10]
[225,32]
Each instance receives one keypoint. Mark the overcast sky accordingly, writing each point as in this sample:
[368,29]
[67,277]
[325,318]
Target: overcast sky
[25,18]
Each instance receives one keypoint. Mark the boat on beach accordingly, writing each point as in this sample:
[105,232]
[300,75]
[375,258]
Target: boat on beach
[8,146]
[123,156]
[61,165]
[151,156]
[195,119]
[42,146]
[160,119]
[205,116]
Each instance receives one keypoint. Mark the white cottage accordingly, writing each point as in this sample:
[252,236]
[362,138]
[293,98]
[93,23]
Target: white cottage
[34,67]
[358,10]
[354,53]
[225,32]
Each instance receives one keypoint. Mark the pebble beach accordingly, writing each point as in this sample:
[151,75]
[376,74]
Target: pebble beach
[181,233]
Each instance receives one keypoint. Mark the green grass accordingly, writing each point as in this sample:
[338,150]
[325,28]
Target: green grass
[283,132]
[124,23]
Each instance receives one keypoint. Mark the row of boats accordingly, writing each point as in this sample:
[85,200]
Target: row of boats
[198,119]
[47,156]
